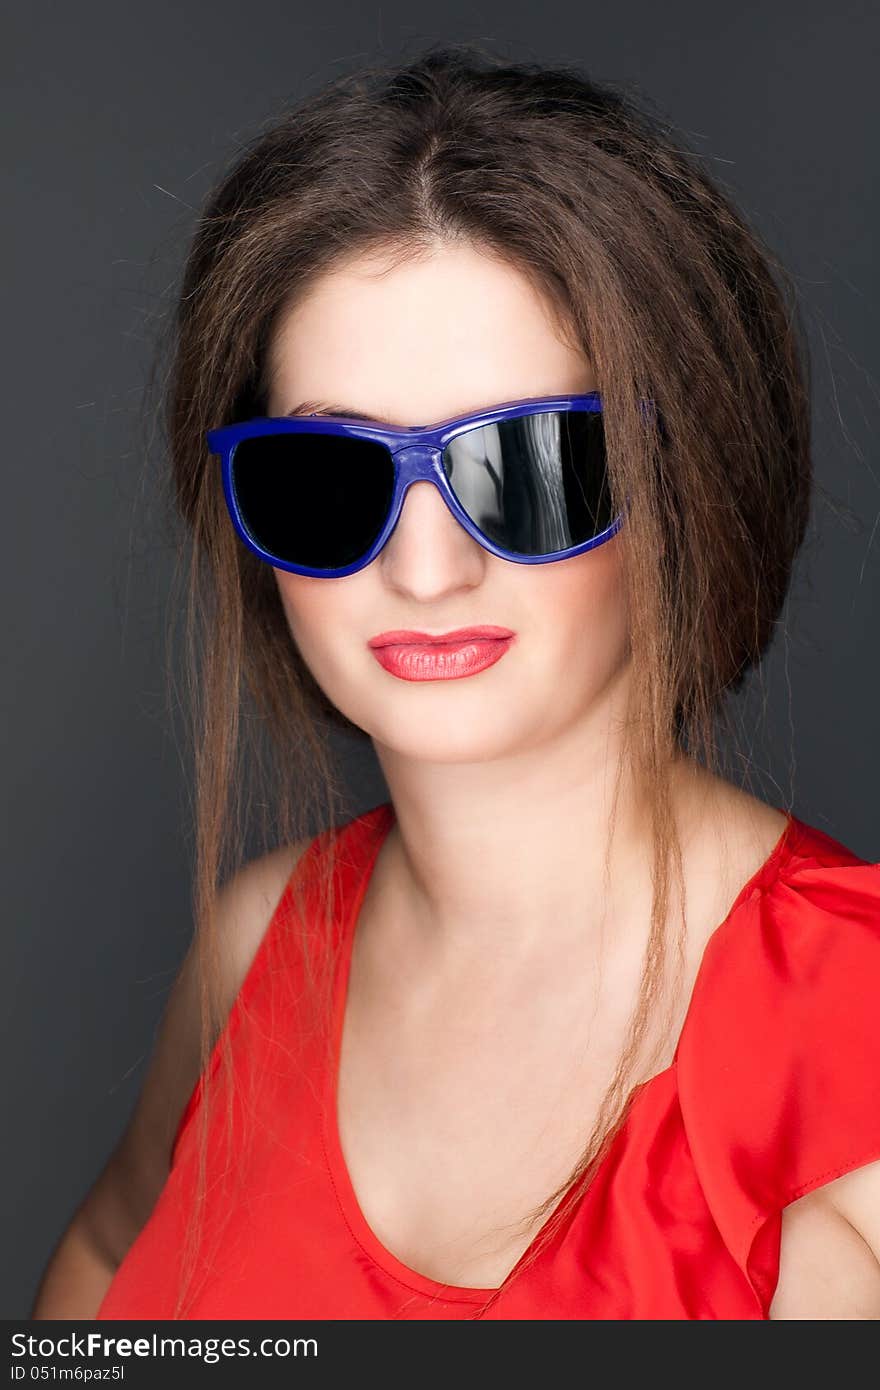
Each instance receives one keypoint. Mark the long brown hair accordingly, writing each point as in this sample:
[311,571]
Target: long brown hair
[655,276]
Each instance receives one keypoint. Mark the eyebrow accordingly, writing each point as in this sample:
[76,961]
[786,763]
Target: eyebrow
[322,408]
[346,412]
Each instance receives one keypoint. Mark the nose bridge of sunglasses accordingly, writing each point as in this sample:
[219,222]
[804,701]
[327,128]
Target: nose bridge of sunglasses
[418,461]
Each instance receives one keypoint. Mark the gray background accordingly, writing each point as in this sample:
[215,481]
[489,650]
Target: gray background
[120,119]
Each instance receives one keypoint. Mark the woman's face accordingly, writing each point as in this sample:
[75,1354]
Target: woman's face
[417,344]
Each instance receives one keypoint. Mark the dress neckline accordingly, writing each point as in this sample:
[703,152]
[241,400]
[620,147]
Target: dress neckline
[360,1229]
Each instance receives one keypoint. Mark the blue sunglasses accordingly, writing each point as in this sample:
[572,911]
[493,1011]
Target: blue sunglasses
[320,495]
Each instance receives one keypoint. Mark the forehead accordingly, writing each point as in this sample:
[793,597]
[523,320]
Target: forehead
[421,340]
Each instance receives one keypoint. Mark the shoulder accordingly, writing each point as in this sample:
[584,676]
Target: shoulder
[246,906]
[251,901]
[788,984]
[779,1061]
[140,1161]
[800,928]
[820,912]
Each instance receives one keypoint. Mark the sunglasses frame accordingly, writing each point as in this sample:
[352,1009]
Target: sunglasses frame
[417,456]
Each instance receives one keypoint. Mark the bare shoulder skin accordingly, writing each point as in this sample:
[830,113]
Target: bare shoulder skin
[118,1204]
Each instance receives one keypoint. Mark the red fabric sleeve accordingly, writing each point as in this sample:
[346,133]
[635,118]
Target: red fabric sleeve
[779,1067]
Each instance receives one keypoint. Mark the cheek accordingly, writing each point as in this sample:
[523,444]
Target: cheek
[585,610]
[322,618]
[310,605]
[300,598]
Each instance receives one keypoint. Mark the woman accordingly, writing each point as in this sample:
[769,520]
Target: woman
[571,1026]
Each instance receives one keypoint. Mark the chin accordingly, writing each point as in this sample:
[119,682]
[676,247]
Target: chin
[441,738]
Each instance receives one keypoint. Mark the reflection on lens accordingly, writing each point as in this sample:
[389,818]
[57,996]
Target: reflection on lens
[536,484]
[318,500]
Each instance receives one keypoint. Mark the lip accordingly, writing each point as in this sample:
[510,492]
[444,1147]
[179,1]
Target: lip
[413,656]
[403,637]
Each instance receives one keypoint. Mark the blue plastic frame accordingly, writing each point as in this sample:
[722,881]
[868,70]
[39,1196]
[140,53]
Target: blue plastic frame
[417,456]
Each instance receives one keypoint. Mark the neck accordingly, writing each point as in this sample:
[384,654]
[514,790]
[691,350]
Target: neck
[508,851]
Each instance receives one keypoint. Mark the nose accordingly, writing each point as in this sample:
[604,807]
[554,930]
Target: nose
[429,553]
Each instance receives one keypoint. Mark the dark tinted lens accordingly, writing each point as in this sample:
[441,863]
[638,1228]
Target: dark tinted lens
[318,500]
[534,485]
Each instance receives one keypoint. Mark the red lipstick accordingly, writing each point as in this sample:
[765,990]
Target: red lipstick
[430,656]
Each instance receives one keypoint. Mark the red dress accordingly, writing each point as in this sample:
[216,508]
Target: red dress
[774,1090]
